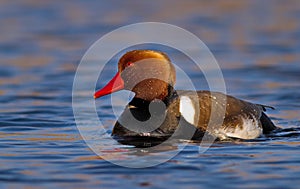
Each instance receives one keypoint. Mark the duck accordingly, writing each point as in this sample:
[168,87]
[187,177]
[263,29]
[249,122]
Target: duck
[158,110]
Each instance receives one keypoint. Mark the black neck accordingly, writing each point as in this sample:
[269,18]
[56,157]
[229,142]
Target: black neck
[141,103]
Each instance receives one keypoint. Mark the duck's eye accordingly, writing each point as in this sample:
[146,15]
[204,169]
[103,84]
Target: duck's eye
[129,64]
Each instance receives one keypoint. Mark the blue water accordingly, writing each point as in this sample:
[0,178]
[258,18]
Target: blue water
[255,43]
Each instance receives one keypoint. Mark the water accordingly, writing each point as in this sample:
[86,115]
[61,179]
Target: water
[256,44]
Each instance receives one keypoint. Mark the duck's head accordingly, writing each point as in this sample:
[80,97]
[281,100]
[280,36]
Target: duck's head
[149,74]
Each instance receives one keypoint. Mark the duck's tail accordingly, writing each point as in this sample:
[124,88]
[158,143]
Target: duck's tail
[267,124]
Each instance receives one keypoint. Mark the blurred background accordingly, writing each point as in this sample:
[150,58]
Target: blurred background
[256,44]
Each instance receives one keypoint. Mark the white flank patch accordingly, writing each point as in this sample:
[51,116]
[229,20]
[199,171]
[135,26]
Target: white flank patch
[187,109]
[250,130]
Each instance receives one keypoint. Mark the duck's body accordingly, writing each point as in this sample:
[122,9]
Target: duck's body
[159,111]
[241,120]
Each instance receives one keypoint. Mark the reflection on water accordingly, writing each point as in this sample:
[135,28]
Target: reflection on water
[256,44]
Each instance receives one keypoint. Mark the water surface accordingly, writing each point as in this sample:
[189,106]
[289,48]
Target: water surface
[256,44]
